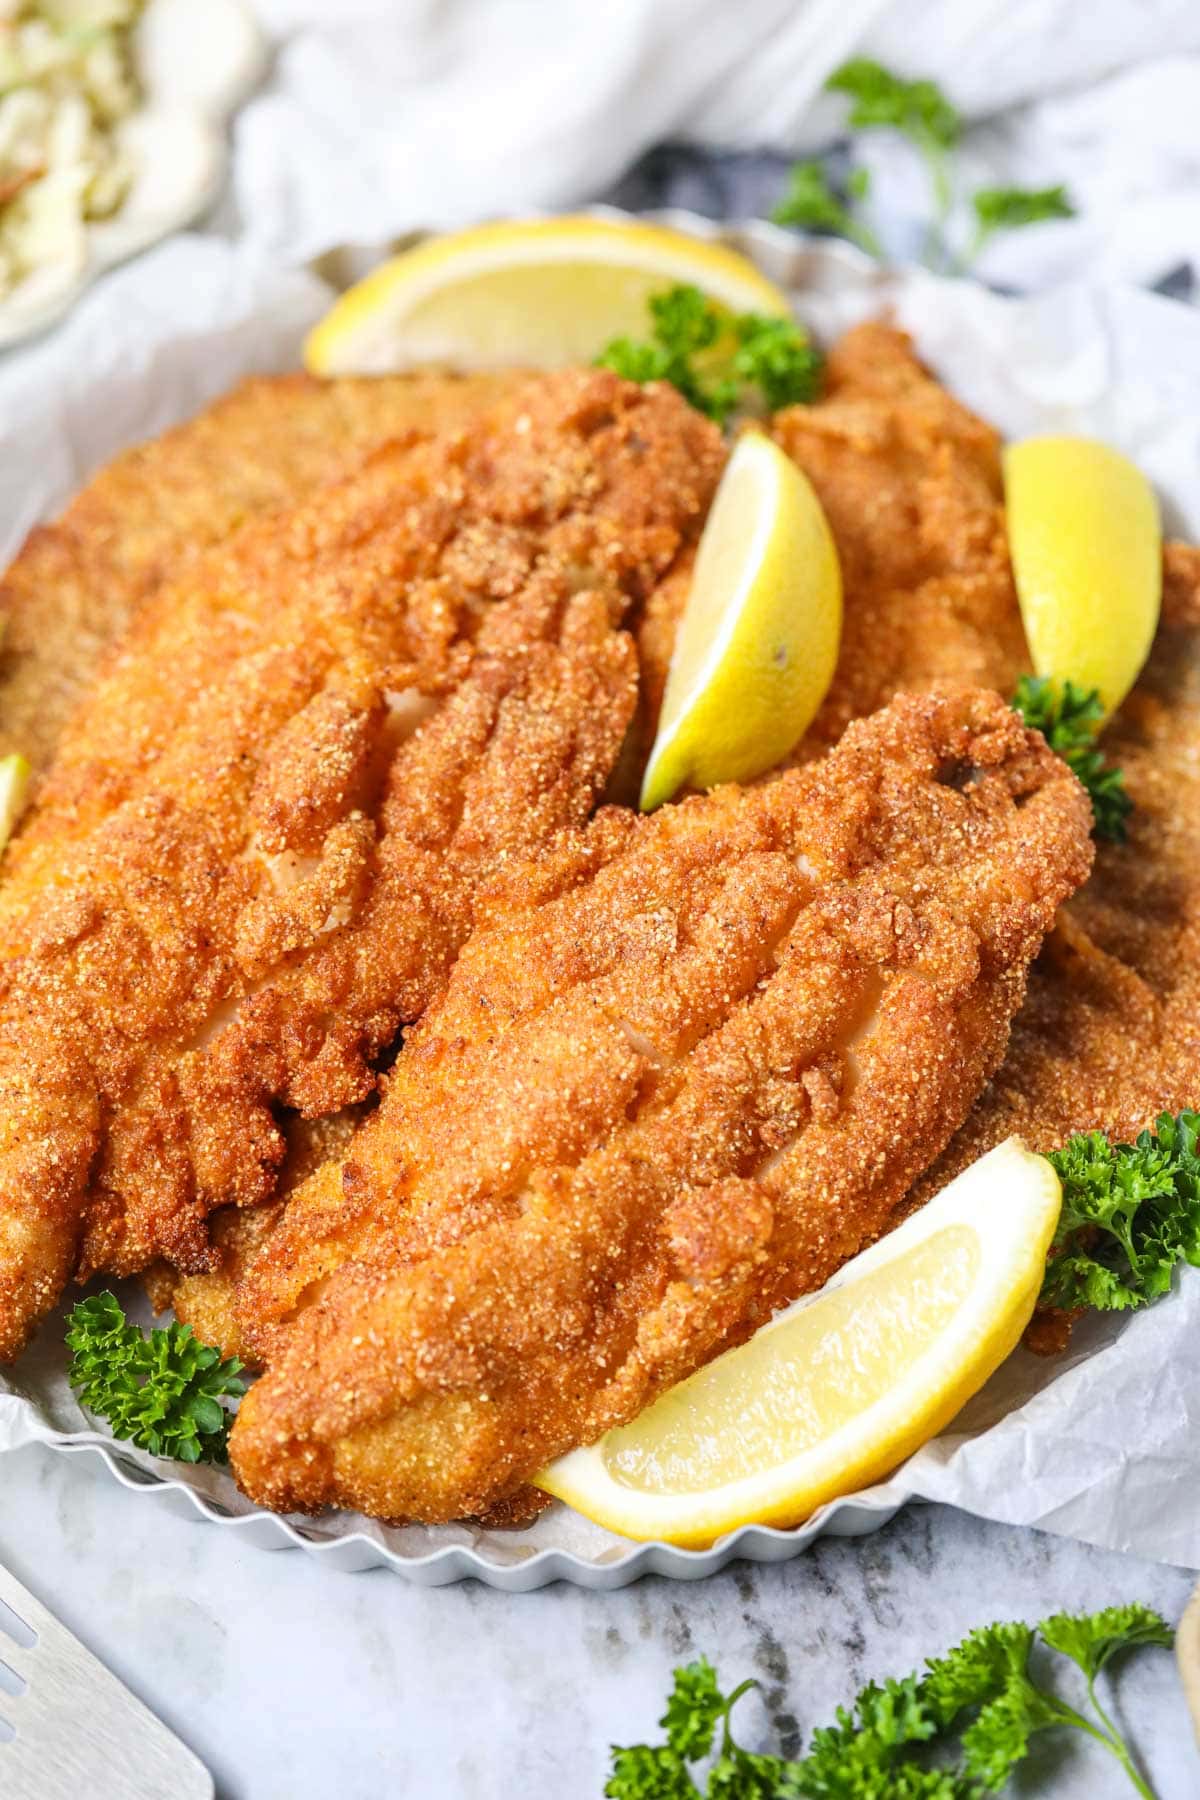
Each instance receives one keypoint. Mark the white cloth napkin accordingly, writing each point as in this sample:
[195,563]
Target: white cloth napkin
[385,115]
[389,114]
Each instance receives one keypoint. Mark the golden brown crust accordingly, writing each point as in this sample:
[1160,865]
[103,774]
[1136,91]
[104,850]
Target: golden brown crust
[682,1071]
[910,482]
[163,982]
[206,1301]
[1109,1036]
[78,582]
[1181,586]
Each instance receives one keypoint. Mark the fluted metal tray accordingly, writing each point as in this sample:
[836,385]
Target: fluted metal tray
[1075,359]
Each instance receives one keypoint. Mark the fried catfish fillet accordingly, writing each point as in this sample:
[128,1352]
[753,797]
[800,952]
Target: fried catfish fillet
[206,1301]
[1109,1036]
[236,886]
[910,480]
[77,583]
[682,1071]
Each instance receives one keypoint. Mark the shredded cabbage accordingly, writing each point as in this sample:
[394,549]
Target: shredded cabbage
[67,80]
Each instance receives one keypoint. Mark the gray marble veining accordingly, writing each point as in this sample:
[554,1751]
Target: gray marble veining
[296,1683]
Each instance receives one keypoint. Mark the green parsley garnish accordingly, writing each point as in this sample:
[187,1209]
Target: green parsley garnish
[1130,1214]
[917,109]
[1068,718]
[921,112]
[1006,209]
[162,1392]
[750,352]
[776,357]
[811,204]
[979,1705]
[682,325]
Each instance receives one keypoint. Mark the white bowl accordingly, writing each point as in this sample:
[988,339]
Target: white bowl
[195,60]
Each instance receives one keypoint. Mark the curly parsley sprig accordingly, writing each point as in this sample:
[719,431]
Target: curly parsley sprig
[980,1705]
[1008,208]
[811,203]
[919,111]
[161,1391]
[1068,718]
[713,360]
[1130,1215]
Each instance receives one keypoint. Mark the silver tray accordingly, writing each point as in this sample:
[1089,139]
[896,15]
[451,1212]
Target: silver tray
[1062,361]
[517,1566]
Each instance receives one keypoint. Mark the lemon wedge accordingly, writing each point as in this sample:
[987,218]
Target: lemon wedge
[534,292]
[1086,543]
[14,785]
[835,1392]
[758,642]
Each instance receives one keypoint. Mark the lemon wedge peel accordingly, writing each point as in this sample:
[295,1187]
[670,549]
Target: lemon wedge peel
[1008,1203]
[14,788]
[1086,542]
[525,293]
[758,642]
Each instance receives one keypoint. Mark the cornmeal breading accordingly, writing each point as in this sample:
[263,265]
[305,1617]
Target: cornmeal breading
[206,1301]
[910,482]
[683,1070]
[77,583]
[236,887]
[1109,1036]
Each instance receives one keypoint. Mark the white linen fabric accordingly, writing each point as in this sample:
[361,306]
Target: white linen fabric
[382,116]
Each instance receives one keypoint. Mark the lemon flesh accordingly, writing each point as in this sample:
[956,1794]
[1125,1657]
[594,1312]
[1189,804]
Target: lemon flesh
[1086,543]
[758,642]
[14,785]
[836,1391]
[537,292]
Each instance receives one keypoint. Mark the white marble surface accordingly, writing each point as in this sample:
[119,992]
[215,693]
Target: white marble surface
[296,1683]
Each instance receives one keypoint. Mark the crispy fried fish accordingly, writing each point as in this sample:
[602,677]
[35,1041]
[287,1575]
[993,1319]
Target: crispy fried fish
[910,481]
[77,583]
[206,1301]
[682,1071]
[236,886]
[1109,1035]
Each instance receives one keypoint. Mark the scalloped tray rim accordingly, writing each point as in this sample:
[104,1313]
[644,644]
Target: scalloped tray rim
[851,1516]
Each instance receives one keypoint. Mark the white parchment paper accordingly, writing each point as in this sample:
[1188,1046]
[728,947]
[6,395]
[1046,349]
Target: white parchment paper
[1103,1445]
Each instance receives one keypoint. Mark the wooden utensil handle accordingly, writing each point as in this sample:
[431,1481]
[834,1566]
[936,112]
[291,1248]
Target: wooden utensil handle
[1187,1654]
